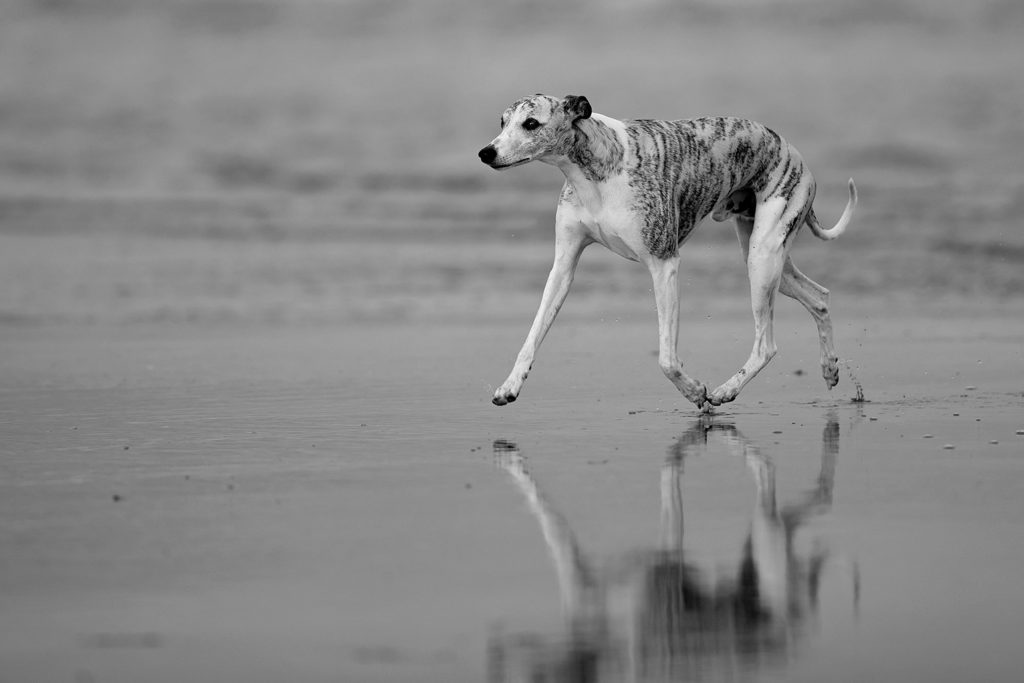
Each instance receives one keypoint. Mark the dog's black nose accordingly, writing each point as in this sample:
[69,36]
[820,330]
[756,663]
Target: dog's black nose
[488,154]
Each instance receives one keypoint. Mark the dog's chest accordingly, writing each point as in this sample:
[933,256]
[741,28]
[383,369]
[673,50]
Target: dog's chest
[606,212]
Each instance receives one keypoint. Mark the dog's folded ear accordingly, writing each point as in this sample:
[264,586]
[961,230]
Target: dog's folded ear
[577,107]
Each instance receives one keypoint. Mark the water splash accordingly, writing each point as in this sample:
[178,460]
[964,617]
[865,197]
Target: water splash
[858,387]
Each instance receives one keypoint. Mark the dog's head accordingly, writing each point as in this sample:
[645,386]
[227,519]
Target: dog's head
[538,127]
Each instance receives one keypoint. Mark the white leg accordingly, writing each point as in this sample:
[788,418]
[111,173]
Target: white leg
[814,298]
[744,227]
[568,248]
[665,275]
[766,256]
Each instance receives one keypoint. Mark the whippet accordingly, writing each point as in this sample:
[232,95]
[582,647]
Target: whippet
[639,187]
[654,614]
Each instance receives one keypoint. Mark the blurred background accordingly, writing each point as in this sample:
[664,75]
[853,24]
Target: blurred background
[314,161]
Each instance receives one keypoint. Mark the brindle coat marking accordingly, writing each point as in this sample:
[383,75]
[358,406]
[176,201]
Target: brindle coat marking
[640,187]
[719,153]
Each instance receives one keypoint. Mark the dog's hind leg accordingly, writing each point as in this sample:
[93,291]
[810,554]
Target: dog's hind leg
[815,299]
[665,277]
[744,227]
[766,256]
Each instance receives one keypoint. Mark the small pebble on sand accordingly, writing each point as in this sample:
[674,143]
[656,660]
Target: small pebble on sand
[949,447]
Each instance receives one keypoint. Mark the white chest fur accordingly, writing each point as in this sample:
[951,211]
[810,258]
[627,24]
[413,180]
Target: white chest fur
[604,210]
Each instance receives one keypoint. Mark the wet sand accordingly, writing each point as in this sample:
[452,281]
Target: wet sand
[323,503]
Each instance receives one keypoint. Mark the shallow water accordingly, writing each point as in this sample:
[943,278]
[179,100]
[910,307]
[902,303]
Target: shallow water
[343,504]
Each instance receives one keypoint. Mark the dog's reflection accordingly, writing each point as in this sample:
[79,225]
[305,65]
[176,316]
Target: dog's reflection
[659,618]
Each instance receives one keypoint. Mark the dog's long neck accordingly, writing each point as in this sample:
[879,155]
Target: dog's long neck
[595,152]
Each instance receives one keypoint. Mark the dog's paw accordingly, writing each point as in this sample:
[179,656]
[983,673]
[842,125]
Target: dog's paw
[699,397]
[504,397]
[508,392]
[723,394]
[830,371]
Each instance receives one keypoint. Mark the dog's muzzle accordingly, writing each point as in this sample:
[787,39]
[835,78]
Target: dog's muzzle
[488,154]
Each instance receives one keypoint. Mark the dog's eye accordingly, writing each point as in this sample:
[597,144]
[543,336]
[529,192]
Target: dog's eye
[531,124]
[503,123]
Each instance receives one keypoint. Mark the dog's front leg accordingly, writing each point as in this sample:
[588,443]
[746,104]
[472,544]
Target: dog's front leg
[665,275]
[569,245]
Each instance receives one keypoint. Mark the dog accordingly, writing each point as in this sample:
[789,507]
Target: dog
[640,187]
[654,614]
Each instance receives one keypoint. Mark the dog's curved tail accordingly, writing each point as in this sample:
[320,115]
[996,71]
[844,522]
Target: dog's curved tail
[840,226]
